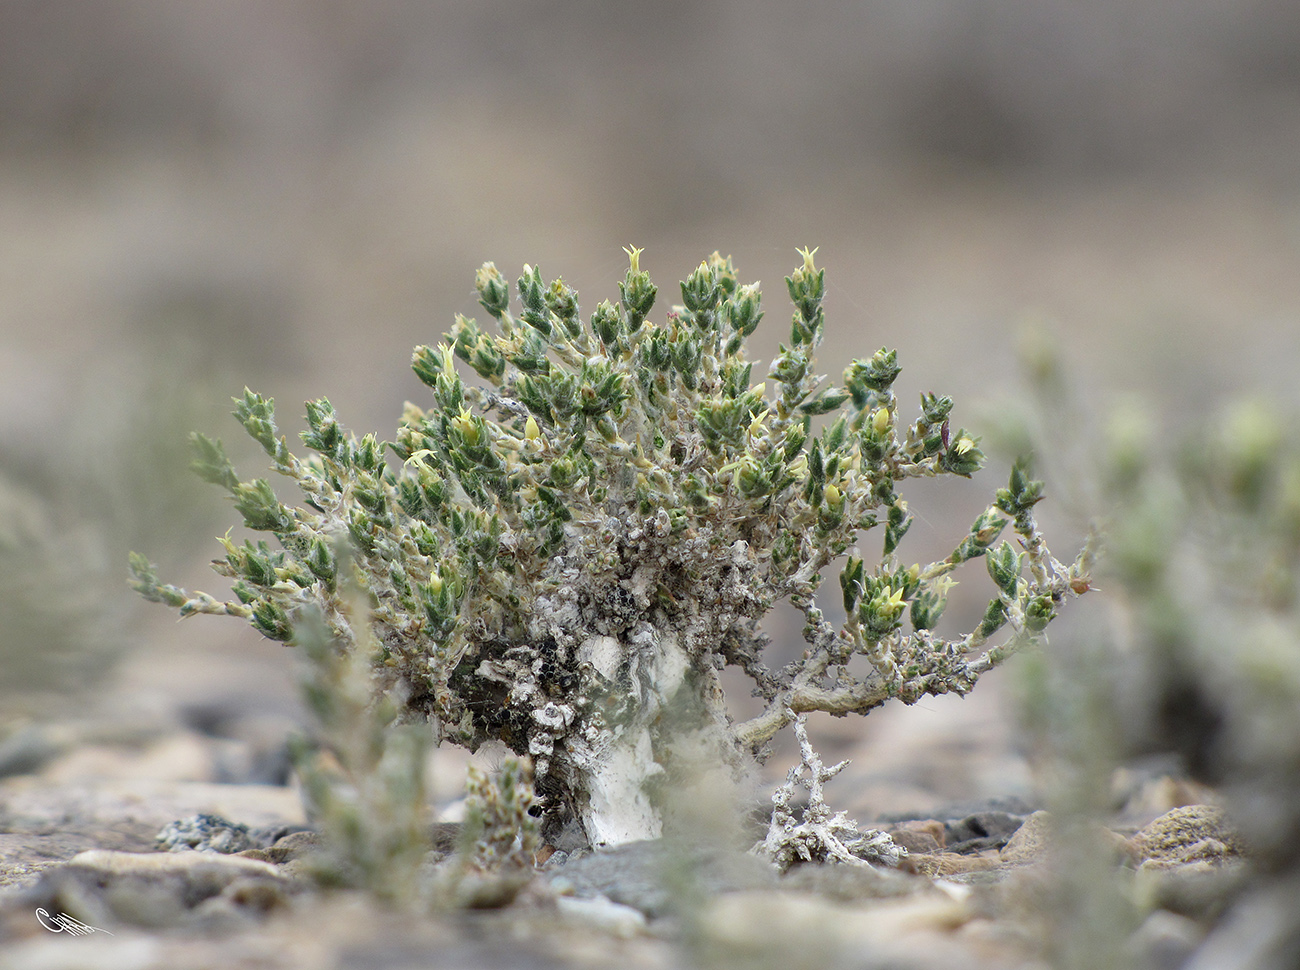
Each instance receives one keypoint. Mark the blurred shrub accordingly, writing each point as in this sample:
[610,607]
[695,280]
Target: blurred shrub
[1201,658]
[71,502]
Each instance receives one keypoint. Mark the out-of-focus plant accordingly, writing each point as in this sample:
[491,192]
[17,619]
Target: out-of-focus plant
[1206,546]
[566,557]
[64,525]
[362,773]
[1201,658]
[54,631]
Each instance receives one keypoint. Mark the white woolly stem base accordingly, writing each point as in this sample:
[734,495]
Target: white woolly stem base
[615,777]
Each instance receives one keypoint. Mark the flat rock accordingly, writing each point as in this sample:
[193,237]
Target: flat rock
[1033,841]
[780,928]
[641,874]
[942,864]
[848,883]
[109,889]
[42,825]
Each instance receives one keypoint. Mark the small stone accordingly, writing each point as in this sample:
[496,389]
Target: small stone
[919,836]
[777,928]
[948,864]
[1193,833]
[980,831]
[289,848]
[602,913]
[151,863]
[1164,941]
[1029,841]
[1200,891]
[205,833]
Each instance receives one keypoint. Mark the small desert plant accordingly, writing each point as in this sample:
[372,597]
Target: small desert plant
[565,558]
[363,774]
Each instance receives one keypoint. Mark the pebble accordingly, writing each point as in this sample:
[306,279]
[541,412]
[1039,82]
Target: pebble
[206,833]
[981,830]
[1191,833]
[1164,941]
[1029,841]
[603,914]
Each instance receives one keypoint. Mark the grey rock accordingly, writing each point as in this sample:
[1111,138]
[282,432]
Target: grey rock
[1199,891]
[850,883]
[30,748]
[602,913]
[205,833]
[980,831]
[1164,941]
[649,875]
[1261,932]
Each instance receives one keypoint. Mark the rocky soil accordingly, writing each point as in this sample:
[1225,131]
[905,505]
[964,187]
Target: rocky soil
[984,883]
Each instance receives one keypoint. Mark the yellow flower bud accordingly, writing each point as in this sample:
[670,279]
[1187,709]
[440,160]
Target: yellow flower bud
[893,604]
[880,420]
[531,431]
[634,255]
[464,423]
[807,255]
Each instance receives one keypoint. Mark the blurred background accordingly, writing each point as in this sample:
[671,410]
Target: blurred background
[291,194]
